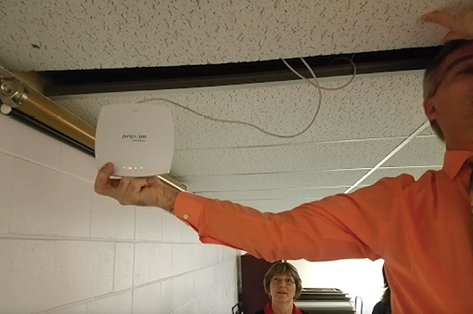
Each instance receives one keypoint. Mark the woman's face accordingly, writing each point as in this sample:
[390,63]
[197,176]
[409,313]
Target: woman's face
[282,288]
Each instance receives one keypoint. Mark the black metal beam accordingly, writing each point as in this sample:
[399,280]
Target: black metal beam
[157,78]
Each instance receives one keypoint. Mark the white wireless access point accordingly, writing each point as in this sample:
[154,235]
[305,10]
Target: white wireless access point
[137,138]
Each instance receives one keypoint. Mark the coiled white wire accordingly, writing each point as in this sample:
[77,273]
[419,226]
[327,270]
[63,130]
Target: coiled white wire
[314,83]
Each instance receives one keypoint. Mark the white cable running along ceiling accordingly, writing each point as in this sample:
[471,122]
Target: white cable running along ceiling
[356,127]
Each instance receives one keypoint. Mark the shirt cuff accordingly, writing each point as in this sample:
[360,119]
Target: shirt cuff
[188,208]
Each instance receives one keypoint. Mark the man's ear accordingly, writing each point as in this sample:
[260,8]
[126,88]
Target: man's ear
[430,109]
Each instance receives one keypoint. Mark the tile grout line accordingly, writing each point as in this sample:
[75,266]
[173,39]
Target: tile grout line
[134,258]
[114,262]
[90,212]
[54,270]
[25,159]
[10,192]
[131,289]
[29,237]
[133,280]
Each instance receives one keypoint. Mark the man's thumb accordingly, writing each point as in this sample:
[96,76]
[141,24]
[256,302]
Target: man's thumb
[440,18]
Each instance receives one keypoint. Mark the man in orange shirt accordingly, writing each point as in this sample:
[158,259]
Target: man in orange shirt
[422,229]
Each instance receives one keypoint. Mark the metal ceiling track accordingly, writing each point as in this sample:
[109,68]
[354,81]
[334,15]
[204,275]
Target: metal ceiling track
[80,82]
[21,101]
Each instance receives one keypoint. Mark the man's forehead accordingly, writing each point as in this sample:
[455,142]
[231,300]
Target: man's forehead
[452,58]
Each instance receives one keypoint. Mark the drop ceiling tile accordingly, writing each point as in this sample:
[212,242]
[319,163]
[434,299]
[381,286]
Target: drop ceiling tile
[288,180]
[421,151]
[68,34]
[370,107]
[275,194]
[302,157]
[282,204]
[427,132]
[416,172]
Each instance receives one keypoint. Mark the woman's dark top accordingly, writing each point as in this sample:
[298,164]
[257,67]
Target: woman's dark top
[381,308]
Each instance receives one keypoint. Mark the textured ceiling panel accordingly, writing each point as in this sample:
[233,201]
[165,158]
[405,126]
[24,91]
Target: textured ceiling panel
[430,148]
[304,157]
[79,34]
[274,205]
[275,194]
[428,131]
[416,172]
[370,107]
[288,180]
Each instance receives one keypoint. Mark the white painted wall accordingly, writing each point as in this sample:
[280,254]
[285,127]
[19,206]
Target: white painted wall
[64,249]
[357,277]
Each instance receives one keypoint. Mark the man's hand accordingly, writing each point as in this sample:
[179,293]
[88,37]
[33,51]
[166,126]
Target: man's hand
[147,191]
[460,25]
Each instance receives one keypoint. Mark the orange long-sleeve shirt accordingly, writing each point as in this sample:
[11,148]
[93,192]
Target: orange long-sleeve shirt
[422,229]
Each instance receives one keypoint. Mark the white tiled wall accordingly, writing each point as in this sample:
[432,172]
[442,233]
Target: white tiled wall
[64,249]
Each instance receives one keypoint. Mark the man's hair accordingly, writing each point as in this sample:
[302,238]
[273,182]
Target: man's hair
[282,268]
[432,77]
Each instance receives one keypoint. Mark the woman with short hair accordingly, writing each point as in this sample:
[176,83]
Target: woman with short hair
[283,285]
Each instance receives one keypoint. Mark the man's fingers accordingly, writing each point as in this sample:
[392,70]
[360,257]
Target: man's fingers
[452,36]
[102,181]
[128,190]
[122,189]
[440,18]
[153,180]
